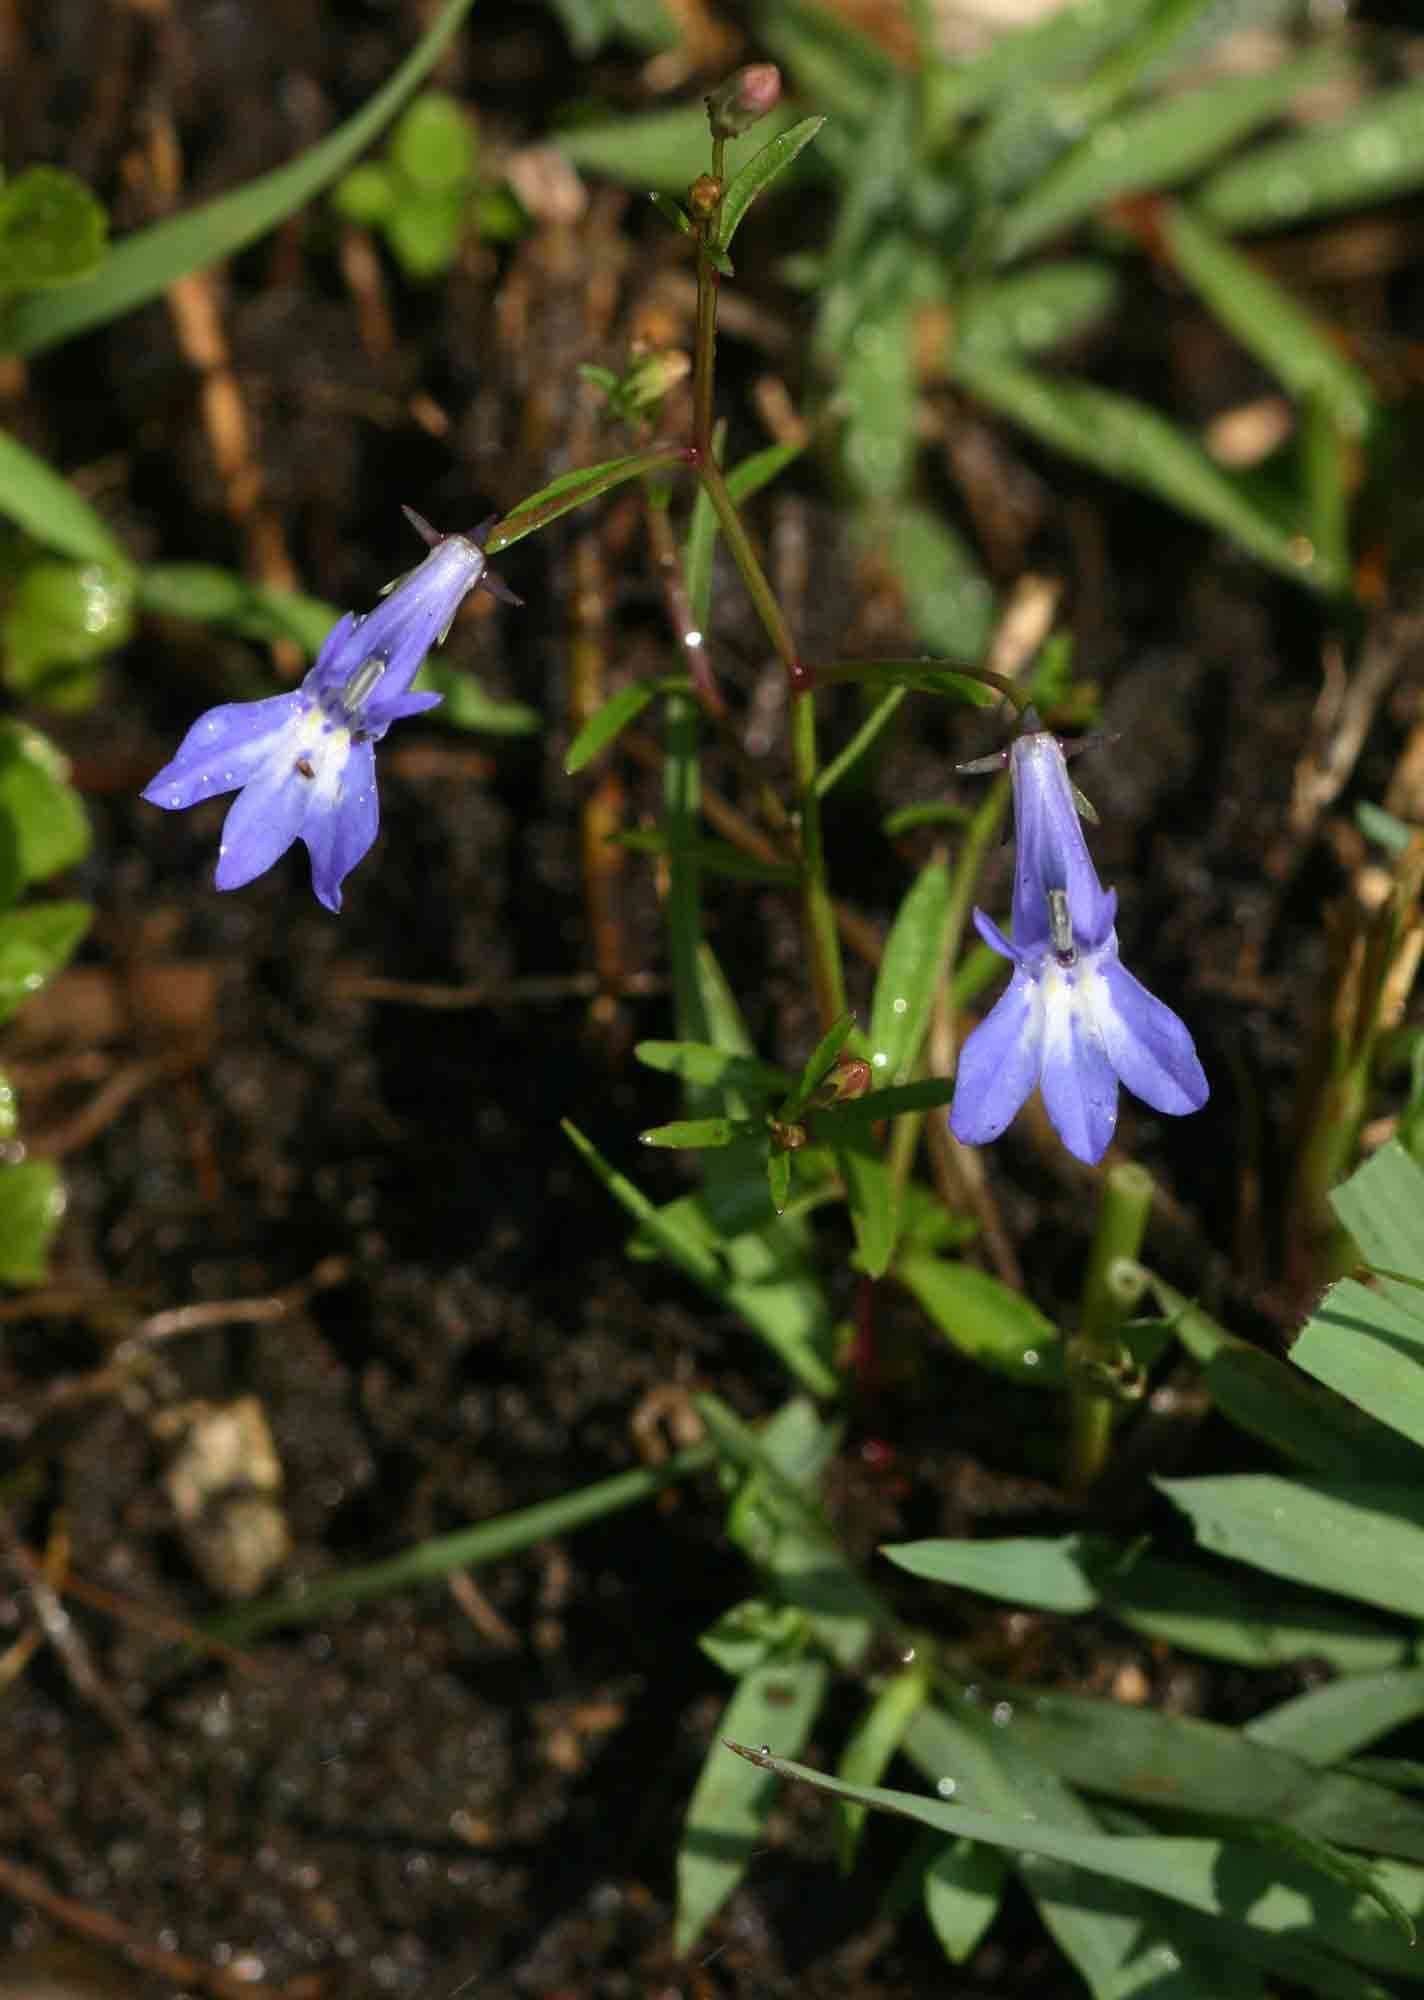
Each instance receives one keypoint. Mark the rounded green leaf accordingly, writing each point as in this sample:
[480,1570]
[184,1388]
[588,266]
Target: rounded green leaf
[433,145]
[31,1205]
[366,195]
[46,824]
[52,230]
[62,617]
[34,943]
[424,234]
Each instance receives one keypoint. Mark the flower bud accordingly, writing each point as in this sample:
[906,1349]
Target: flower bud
[704,198]
[847,1077]
[747,95]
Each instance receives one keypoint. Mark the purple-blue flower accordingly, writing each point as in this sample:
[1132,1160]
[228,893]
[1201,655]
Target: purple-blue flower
[1074,1021]
[303,764]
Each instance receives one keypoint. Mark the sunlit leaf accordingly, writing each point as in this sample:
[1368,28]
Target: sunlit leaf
[1130,441]
[760,173]
[988,1323]
[143,265]
[1021,1569]
[1376,152]
[1359,1539]
[31,1207]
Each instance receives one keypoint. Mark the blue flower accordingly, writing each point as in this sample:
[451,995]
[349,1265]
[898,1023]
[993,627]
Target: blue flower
[1074,1021]
[303,764]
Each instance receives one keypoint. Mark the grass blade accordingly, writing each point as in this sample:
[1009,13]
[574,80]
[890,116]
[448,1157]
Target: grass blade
[143,265]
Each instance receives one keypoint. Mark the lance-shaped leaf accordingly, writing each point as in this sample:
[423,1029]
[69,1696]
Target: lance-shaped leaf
[1130,441]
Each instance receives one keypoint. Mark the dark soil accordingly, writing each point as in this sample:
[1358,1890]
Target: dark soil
[441,1794]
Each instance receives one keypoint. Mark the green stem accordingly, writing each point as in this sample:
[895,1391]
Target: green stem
[752,574]
[906,673]
[704,348]
[1109,1295]
[823,941]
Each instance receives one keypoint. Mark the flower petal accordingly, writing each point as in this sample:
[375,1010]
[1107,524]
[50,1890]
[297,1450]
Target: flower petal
[1147,1044]
[222,750]
[340,826]
[999,1064]
[1079,1081]
[1051,851]
[994,937]
[268,813]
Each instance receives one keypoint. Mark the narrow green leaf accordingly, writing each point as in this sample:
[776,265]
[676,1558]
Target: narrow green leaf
[52,230]
[964,1886]
[877,396]
[1018,1569]
[1065,41]
[1158,1760]
[1376,152]
[950,602]
[31,1205]
[749,1634]
[987,1322]
[1271,1400]
[145,264]
[777,1519]
[680,1246]
[47,823]
[1113,1934]
[35,942]
[727,1811]
[713,1068]
[1329,1723]
[778,1177]
[1035,309]
[863,740]
[576,489]
[910,969]
[466,1548]
[927,1095]
[1268,322]
[669,210]
[607,721]
[48,508]
[1222,1878]
[835,64]
[1244,1620]
[870,1746]
[818,1064]
[713,857]
[1369,1347]
[695,1132]
[660,150]
[1130,441]
[759,173]
[1353,1537]
[775,1285]
[212,596]
[872,1199]
[1381,1205]
[767,1285]
[466,705]
[1163,143]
